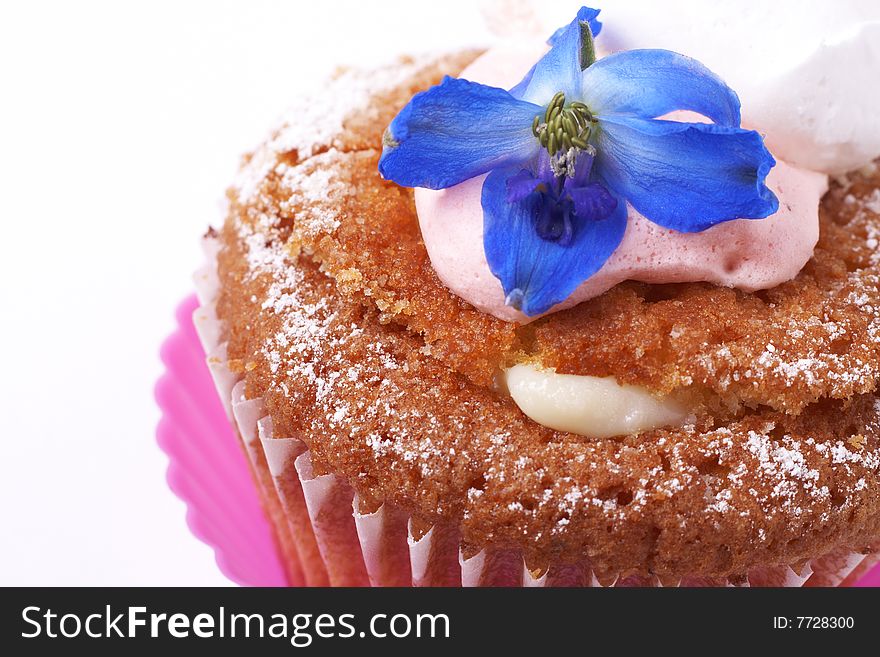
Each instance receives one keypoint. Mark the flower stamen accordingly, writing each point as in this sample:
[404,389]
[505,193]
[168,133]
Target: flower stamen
[564,126]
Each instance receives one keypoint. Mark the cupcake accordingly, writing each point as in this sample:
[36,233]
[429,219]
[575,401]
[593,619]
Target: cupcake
[546,315]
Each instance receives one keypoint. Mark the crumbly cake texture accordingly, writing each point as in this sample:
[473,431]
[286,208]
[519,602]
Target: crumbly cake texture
[336,318]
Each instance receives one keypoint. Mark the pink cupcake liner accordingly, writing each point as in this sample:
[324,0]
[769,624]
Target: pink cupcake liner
[324,532]
[207,468]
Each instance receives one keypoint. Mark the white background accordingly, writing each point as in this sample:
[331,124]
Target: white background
[121,124]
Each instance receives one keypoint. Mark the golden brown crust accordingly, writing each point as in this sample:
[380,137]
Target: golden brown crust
[336,318]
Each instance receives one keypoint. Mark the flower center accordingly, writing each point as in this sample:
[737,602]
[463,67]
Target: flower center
[556,224]
[564,127]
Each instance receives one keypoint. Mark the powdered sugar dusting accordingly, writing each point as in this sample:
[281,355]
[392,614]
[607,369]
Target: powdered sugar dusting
[318,122]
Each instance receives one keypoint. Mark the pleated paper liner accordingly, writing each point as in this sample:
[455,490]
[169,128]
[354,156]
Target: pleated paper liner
[320,532]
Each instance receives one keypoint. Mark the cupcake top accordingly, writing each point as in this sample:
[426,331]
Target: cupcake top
[571,147]
[560,223]
[338,319]
[748,255]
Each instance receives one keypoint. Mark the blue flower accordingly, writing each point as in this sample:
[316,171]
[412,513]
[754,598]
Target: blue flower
[570,146]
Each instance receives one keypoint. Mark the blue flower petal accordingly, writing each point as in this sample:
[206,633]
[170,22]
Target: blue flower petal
[585,14]
[455,131]
[521,184]
[537,274]
[592,202]
[588,15]
[560,69]
[651,83]
[686,176]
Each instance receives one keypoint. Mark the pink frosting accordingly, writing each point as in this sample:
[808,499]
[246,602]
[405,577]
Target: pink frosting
[746,254]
